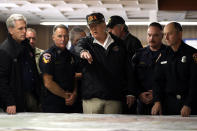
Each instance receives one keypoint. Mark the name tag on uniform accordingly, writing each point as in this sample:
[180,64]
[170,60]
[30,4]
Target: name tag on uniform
[164,62]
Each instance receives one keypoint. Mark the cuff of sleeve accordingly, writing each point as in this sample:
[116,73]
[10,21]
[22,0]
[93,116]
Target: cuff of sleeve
[83,51]
[131,95]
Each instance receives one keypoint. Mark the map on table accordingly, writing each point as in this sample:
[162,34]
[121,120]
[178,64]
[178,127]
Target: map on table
[94,122]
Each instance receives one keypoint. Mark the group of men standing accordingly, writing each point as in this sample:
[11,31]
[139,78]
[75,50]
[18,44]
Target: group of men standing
[118,75]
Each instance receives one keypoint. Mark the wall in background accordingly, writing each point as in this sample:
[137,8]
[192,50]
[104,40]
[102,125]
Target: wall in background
[3,32]
[44,33]
[139,32]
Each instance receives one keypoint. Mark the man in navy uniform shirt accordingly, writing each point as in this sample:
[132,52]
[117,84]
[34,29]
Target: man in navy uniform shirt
[144,62]
[58,70]
[174,91]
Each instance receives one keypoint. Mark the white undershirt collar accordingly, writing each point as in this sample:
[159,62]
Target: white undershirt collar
[107,43]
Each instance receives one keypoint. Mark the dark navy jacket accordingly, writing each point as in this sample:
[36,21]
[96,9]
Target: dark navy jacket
[144,61]
[106,78]
[132,44]
[13,57]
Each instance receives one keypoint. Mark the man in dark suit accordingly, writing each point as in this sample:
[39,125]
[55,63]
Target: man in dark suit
[18,72]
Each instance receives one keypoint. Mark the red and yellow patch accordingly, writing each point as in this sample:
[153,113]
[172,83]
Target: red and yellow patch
[115,48]
[46,58]
[195,57]
[91,18]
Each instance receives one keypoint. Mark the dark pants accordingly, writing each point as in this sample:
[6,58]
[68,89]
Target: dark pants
[32,103]
[131,110]
[143,109]
[171,105]
[75,108]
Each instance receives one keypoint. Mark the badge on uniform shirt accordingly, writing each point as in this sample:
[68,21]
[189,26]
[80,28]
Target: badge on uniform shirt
[195,57]
[115,48]
[184,59]
[178,97]
[46,58]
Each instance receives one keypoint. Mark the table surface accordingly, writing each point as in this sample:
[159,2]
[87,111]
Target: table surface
[94,122]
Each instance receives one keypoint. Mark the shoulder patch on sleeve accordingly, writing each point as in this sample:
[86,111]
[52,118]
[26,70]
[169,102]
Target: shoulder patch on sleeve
[195,57]
[46,58]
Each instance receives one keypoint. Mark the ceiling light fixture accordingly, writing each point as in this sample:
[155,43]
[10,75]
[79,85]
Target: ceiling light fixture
[64,23]
[127,23]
